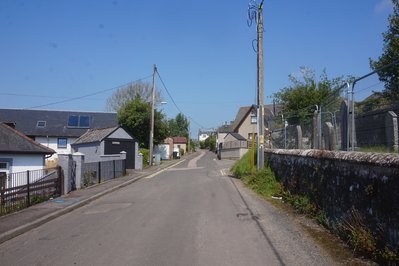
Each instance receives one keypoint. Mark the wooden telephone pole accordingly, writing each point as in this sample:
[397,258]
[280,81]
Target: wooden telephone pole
[151,143]
[261,126]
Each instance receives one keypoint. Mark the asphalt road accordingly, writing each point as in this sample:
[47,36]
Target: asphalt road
[192,214]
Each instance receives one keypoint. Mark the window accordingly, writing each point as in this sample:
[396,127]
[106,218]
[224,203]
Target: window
[41,124]
[254,119]
[73,121]
[3,165]
[84,121]
[62,143]
[79,121]
[250,136]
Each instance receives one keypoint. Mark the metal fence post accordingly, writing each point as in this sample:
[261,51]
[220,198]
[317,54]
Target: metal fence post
[28,188]
[113,163]
[60,179]
[2,190]
[99,172]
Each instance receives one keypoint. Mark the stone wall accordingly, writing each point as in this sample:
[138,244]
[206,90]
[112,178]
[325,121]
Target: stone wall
[339,182]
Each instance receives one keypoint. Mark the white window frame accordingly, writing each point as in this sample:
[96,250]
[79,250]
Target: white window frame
[62,147]
[41,122]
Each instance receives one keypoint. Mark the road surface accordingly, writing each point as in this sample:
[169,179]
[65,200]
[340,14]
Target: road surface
[191,214]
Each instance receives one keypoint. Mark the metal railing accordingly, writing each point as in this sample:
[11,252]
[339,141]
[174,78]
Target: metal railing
[97,172]
[23,189]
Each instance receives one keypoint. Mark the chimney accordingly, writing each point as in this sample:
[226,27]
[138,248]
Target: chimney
[10,124]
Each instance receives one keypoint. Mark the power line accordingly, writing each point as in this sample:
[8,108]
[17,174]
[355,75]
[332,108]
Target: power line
[177,107]
[32,95]
[369,87]
[88,95]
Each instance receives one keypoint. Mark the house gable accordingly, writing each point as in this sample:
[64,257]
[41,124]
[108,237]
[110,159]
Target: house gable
[120,133]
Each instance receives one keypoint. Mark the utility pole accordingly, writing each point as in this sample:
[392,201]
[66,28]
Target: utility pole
[188,141]
[151,143]
[261,126]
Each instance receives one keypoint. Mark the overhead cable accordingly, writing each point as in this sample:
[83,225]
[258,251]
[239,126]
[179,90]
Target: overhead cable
[177,107]
[88,95]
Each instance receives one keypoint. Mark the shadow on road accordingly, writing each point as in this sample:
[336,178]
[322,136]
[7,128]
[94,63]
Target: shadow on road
[255,218]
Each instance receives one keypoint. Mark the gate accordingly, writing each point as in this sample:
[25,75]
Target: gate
[73,175]
[23,189]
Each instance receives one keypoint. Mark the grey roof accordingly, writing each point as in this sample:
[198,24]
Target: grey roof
[242,113]
[224,129]
[236,135]
[56,121]
[95,135]
[12,141]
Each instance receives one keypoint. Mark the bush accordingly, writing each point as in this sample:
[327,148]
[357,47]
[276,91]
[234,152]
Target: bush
[146,156]
[243,166]
[264,183]
[181,152]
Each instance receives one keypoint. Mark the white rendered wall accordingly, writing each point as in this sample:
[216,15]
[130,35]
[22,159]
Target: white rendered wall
[52,143]
[22,163]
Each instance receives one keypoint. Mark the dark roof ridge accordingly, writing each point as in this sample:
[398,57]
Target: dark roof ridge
[52,110]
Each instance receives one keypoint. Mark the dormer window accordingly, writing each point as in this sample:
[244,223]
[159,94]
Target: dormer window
[79,121]
[41,124]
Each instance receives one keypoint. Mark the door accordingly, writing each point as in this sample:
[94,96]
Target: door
[115,146]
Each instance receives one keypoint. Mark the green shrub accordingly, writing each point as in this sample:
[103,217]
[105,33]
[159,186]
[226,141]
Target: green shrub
[264,183]
[243,166]
[302,204]
[181,152]
[146,156]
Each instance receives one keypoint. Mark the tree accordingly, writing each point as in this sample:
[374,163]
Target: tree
[299,100]
[390,54]
[135,116]
[210,143]
[179,126]
[130,92]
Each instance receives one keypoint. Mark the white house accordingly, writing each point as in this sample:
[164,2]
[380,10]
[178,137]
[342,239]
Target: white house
[56,130]
[18,153]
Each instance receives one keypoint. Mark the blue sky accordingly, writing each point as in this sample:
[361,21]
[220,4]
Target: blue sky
[56,50]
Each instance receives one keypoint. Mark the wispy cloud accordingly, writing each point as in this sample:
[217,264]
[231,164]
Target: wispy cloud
[383,6]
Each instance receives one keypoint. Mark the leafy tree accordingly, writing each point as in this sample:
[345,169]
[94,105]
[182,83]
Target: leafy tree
[212,142]
[390,54]
[179,126]
[299,100]
[130,92]
[135,116]
[193,145]
[209,143]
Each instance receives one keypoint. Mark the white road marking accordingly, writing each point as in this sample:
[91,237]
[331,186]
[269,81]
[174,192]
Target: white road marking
[184,169]
[157,173]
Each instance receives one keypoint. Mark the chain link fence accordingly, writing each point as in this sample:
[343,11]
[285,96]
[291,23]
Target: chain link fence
[354,117]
